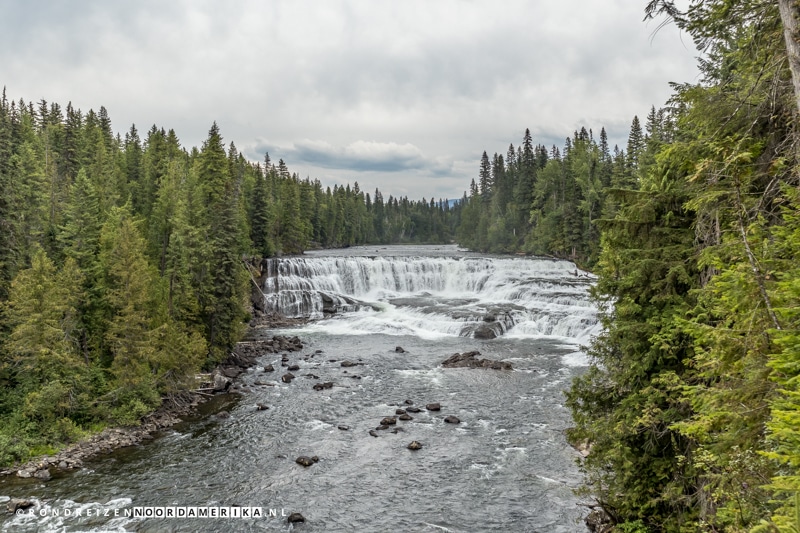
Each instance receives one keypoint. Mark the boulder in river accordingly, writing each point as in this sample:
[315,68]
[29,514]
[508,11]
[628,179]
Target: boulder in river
[433,407]
[261,407]
[413,410]
[484,331]
[399,411]
[406,418]
[452,419]
[388,421]
[43,474]
[15,504]
[306,461]
[322,386]
[399,349]
[294,518]
[415,445]
[470,360]
[347,364]
[293,368]
[287,378]
[269,368]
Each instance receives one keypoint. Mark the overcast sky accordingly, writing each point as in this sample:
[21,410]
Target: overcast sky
[399,95]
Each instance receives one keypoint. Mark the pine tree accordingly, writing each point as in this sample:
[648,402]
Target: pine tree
[485,179]
[128,279]
[221,277]
[636,144]
[42,358]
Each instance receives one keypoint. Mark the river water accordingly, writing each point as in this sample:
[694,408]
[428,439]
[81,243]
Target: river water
[505,467]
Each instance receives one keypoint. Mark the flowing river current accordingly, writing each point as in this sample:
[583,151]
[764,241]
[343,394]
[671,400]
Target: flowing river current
[505,467]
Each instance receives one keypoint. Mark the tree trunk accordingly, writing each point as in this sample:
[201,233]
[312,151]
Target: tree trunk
[790,16]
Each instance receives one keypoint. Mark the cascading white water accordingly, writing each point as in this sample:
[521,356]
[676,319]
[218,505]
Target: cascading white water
[435,296]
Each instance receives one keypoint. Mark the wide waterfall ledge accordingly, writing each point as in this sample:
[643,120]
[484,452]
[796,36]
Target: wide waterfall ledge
[453,294]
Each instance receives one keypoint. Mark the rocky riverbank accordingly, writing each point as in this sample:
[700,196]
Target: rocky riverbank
[221,380]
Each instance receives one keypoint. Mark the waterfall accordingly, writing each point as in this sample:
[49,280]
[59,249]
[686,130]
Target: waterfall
[466,296]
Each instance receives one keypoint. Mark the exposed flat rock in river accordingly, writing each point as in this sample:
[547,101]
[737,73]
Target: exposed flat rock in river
[470,360]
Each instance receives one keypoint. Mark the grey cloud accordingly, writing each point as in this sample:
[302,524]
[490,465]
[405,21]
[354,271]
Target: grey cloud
[359,156]
[449,78]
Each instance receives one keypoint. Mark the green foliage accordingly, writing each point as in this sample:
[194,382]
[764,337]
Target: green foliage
[631,527]
[691,410]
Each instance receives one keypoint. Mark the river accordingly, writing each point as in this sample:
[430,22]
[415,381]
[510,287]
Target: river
[505,467]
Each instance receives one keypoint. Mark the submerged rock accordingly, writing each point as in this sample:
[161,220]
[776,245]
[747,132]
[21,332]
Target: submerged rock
[322,386]
[261,407]
[452,419]
[413,410]
[405,417]
[470,360]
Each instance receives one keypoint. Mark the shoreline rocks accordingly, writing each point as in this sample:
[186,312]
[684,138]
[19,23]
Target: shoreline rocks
[180,404]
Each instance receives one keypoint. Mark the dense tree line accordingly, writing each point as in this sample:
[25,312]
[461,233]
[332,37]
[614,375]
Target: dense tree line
[121,271]
[548,202]
[691,409]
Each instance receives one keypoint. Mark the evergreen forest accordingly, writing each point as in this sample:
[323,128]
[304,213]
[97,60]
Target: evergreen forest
[121,262]
[122,272]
